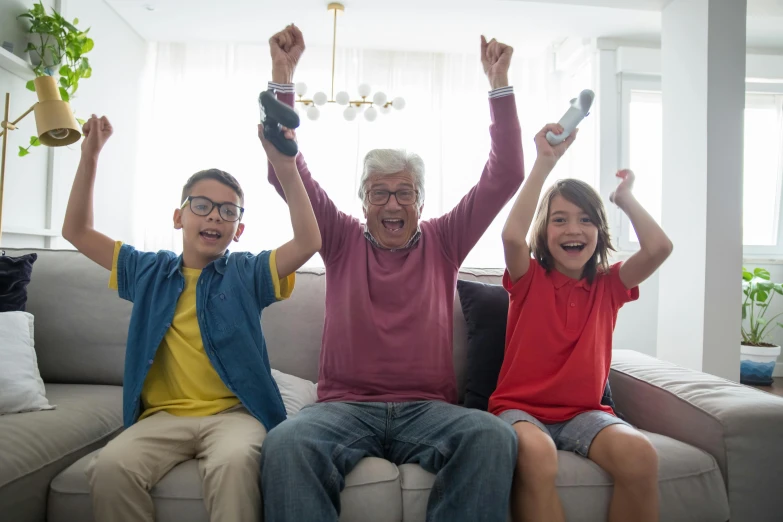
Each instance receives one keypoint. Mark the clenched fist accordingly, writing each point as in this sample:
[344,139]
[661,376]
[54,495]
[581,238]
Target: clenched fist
[97,132]
[496,60]
[286,48]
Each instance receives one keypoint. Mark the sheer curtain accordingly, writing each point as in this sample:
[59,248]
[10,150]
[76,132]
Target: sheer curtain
[201,112]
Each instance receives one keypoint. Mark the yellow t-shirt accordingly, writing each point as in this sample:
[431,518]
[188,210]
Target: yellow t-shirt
[182,380]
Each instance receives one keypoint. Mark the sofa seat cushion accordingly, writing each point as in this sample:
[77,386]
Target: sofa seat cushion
[36,446]
[690,485]
[372,492]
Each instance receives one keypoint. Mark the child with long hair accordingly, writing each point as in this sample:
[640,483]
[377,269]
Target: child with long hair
[563,307]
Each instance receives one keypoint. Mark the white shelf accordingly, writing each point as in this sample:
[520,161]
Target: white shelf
[15,65]
[27,231]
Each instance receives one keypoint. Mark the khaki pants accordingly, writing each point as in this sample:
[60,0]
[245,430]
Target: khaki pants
[227,446]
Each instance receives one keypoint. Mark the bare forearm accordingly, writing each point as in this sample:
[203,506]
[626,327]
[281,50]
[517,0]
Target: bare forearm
[654,245]
[78,226]
[521,215]
[305,226]
[515,248]
[79,212]
[652,239]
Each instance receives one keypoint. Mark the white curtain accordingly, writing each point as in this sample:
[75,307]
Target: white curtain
[201,112]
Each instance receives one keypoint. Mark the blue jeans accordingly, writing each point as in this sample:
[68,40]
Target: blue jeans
[305,459]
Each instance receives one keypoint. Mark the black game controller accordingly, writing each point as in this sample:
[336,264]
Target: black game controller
[275,114]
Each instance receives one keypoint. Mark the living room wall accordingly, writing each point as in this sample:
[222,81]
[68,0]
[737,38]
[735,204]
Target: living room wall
[118,61]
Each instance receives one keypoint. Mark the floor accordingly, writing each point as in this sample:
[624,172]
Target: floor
[775,389]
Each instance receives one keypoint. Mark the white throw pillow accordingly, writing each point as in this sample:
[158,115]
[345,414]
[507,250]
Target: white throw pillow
[21,386]
[297,392]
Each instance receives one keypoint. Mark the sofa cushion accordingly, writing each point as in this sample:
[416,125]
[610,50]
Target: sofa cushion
[15,274]
[80,325]
[21,386]
[689,481]
[36,446]
[372,492]
[485,308]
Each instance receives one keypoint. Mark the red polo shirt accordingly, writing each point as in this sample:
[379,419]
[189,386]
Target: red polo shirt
[558,343]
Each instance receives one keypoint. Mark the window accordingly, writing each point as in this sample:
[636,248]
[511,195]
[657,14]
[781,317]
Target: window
[762,171]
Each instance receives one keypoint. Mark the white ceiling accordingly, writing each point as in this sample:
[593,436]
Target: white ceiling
[435,25]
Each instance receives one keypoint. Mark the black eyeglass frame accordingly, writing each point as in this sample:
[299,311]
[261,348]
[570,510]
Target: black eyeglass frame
[390,194]
[189,201]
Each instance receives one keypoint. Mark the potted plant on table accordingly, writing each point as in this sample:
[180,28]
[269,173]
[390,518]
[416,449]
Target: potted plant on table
[758,357]
[56,46]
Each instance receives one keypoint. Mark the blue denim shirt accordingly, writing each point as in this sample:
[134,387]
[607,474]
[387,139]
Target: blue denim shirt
[231,293]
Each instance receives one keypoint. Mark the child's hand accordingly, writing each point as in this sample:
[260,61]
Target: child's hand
[97,132]
[278,160]
[548,154]
[622,193]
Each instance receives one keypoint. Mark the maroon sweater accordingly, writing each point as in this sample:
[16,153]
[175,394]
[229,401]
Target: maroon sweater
[389,314]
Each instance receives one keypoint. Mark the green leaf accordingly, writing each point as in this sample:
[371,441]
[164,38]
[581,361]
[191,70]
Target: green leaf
[778,288]
[75,21]
[87,73]
[747,276]
[765,285]
[64,82]
[64,94]
[23,152]
[30,47]
[81,121]
[761,296]
[87,46]
[761,273]
[65,71]
[34,141]
[30,85]
[744,311]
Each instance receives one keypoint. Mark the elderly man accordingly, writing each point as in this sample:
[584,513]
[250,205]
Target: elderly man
[387,386]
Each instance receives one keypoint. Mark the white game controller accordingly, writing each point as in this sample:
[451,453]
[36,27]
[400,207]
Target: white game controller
[580,107]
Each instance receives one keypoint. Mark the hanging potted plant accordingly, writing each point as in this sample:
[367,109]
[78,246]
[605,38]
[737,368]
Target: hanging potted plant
[56,46]
[758,357]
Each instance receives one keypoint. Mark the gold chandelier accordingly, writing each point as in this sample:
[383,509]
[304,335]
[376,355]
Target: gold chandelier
[370,106]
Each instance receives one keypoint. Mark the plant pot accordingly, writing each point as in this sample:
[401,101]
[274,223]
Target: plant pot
[35,58]
[757,364]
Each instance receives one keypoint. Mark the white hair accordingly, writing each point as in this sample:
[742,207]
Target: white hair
[385,162]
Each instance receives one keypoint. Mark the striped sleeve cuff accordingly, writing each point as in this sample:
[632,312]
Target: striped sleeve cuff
[502,91]
[281,87]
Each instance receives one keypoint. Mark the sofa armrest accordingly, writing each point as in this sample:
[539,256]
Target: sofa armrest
[740,426]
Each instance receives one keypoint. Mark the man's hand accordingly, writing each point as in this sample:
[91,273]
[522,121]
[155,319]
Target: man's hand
[623,193]
[286,48]
[279,161]
[496,59]
[546,154]
[97,132]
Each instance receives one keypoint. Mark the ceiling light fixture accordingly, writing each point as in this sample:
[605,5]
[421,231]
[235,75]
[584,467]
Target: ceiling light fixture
[378,103]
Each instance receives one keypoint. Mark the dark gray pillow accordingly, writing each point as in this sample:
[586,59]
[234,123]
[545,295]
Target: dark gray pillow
[15,273]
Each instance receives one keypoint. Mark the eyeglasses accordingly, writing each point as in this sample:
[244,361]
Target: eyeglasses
[202,206]
[381,197]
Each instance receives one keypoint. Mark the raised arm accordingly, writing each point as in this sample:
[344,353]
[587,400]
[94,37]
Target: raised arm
[654,244]
[463,226]
[78,224]
[515,246]
[286,47]
[307,237]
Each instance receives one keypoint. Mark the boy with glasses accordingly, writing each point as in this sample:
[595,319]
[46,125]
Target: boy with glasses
[197,378]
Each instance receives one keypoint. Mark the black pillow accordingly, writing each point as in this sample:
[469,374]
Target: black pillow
[15,273]
[485,308]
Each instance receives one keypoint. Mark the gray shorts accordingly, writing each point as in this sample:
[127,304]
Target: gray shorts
[574,435]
